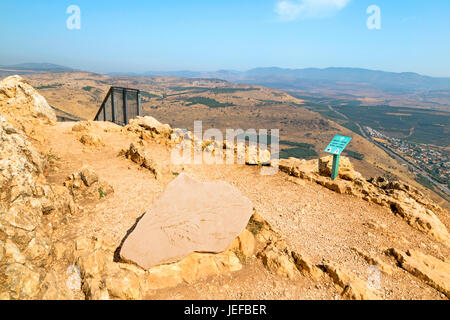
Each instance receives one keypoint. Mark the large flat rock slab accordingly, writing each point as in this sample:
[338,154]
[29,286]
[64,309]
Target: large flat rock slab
[190,216]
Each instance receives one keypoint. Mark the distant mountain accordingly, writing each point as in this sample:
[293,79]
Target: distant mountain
[178,74]
[396,89]
[305,78]
[37,67]
[379,79]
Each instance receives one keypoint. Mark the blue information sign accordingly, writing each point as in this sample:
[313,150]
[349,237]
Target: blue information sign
[337,145]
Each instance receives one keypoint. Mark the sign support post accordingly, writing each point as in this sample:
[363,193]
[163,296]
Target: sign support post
[335,170]
[336,146]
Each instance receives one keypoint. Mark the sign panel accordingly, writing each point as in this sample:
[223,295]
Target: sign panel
[337,145]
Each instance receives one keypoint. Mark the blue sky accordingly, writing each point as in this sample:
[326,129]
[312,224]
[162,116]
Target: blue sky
[139,36]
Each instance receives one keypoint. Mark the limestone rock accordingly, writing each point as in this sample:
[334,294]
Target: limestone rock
[190,216]
[123,285]
[19,99]
[299,167]
[305,266]
[431,270]
[346,170]
[203,265]
[88,176]
[178,135]
[256,156]
[278,261]
[82,126]
[140,157]
[30,208]
[90,139]
[246,243]
[150,124]
[194,267]
[87,185]
[28,205]
[419,217]
[22,281]
[402,199]
[353,287]
[338,186]
[375,261]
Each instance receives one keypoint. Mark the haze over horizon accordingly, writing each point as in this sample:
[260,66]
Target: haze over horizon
[142,36]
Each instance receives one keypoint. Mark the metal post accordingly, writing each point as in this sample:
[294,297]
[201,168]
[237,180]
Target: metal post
[104,112]
[335,170]
[139,102]
[113,105]
[125,107]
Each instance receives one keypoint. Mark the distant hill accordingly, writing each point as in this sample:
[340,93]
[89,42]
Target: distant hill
[35,68]
[379,79]
[294,77]
[369,86]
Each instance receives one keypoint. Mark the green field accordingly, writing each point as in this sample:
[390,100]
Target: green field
[300,150]
[149,95]
[50,86]
[351,126]
[353,154]
[212,90]
[207,102]
[414,125]
[88,88]
[296,144]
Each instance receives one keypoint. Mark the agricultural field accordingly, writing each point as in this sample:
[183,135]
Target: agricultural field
[415,125]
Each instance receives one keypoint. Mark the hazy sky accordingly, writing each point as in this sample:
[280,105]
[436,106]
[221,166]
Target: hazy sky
[199,35]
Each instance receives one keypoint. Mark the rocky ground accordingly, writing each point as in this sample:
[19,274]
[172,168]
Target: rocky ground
[71,192]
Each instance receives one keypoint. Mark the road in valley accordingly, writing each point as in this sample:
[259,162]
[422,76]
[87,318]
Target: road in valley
[397,156]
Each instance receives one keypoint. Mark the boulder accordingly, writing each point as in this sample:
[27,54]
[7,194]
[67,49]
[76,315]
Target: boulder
[87,185]
[29,210]
[143,159]
[299,168]
[82,126]
[190,216]
[90,139]
[419,217]
[278,261]
[151,124]
[256,156]
[22,282]
[20,100]
[88,176]
[178,135]
[103,278]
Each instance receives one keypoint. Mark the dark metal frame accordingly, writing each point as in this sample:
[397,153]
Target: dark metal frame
[113,104]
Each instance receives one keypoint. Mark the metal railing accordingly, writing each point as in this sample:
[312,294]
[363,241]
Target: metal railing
[120,105]
[63,116]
